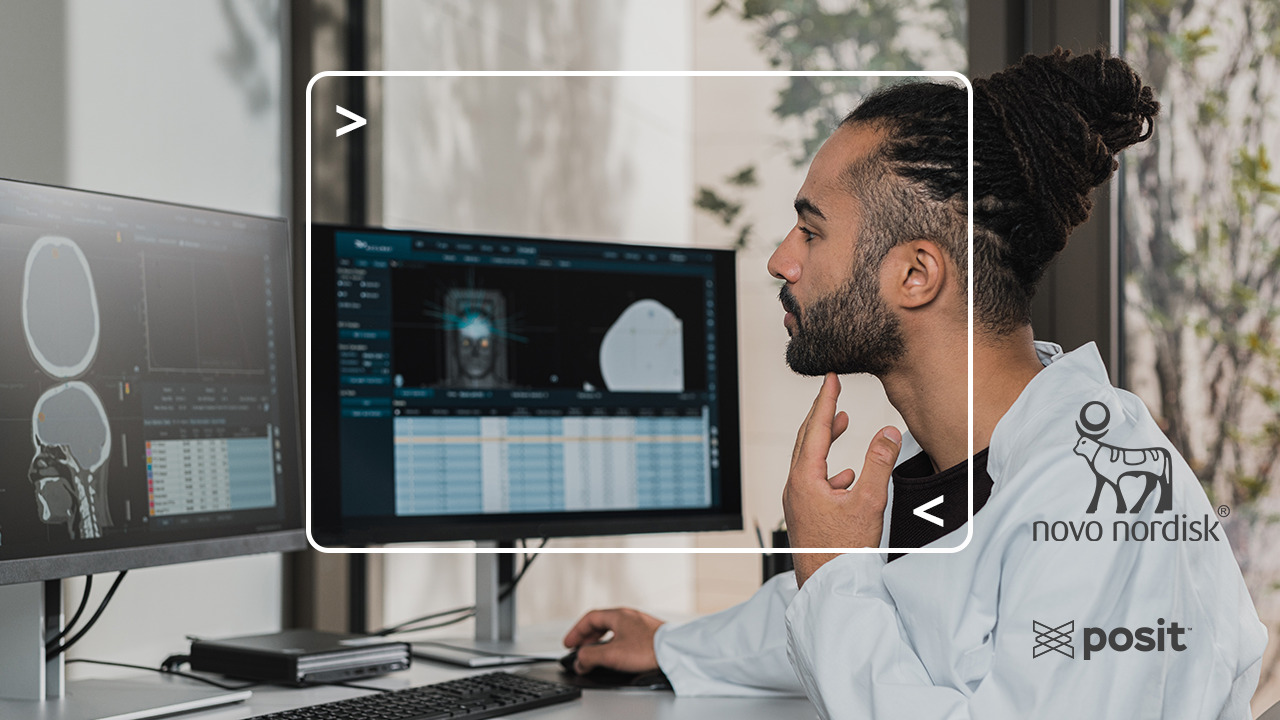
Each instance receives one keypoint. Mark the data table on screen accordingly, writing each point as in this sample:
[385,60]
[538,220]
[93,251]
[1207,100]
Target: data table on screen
[209,475]
[459,465]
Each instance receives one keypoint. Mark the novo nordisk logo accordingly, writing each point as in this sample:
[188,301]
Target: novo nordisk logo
[1111,466]
[1050,638]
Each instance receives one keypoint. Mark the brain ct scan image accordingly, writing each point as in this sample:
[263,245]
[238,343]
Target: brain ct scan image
[70,434]
[476,342]
[643,351]
[73,442]
[59,307]
[545,328]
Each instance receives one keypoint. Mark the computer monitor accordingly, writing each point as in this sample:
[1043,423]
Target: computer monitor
[491,388]
[148,410]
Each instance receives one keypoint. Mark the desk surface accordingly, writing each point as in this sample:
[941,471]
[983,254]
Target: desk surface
[595,704]
[622,704]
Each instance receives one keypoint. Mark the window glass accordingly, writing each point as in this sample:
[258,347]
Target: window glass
[1201,243]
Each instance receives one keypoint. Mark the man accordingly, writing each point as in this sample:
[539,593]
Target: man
[1096,582]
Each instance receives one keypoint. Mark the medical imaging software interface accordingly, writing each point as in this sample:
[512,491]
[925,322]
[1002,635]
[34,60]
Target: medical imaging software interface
[138,371]
[490,376]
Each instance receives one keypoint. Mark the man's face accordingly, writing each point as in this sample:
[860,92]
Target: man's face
[836,315]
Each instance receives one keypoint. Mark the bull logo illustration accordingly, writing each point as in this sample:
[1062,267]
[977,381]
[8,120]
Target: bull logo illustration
[1111,464]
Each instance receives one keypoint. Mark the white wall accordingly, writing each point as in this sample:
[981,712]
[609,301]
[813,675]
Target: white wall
[177,101]
[32,80]
[597,158]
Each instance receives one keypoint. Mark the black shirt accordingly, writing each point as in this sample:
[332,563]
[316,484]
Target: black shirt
[915,484]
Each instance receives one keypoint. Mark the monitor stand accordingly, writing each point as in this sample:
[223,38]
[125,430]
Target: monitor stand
[31,687]
[494,643]
[495,615]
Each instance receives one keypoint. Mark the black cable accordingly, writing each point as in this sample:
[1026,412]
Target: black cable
[56,650]
[173,662]
[470,614]
[84,602]
[528,560]
[214,683]
[396,629]
[469,610]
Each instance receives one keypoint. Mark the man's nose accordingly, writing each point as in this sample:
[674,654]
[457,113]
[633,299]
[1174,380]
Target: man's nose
[784,264]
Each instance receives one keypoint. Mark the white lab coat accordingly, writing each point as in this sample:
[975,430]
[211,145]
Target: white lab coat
[934,636]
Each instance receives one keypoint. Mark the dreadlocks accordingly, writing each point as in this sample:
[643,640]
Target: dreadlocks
[1046,133]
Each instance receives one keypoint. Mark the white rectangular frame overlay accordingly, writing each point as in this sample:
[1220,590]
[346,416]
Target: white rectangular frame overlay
[627,73]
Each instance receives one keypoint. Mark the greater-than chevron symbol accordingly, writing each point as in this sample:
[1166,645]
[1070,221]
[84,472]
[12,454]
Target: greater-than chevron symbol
[358,123]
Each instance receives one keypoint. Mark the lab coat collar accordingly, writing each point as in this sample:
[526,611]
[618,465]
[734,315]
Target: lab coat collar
[1066,379]
[1084,360]
[1047,352]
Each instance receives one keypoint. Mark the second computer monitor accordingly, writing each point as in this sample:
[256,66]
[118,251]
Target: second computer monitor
[482,387]
[147,401]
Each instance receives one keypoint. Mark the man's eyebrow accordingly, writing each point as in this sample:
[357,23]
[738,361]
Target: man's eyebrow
[805,207]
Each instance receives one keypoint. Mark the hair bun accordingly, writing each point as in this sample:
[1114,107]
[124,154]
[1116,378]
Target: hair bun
[1108,94]
[1065,118]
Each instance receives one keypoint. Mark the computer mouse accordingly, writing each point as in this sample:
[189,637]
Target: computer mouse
[603,677]
[568,661]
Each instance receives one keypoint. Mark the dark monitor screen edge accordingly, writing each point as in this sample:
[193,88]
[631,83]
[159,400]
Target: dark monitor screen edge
[99,561]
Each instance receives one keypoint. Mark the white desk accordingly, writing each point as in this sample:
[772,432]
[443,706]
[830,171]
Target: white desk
[537,640]
[594,705]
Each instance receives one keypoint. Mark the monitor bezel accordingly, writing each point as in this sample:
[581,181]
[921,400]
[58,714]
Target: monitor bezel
[56,567]
[287,536]
[329,529]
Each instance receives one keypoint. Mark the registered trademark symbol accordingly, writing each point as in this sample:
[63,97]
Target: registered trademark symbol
[1223,511]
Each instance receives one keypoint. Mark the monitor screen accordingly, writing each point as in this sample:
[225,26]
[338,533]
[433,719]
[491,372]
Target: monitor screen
[147,395]
[483,387]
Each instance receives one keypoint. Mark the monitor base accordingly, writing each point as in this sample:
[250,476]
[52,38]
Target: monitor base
[462,652]
[123,699]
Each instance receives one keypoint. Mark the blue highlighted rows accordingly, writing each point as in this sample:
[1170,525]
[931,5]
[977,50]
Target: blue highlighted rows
[446,465]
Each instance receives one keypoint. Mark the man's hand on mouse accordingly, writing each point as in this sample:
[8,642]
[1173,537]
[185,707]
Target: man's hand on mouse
[823,510]
[630,649]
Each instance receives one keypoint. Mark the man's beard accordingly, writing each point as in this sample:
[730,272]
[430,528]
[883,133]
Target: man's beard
[848,331]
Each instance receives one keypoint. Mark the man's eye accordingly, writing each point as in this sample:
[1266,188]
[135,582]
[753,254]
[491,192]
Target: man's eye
[808,234]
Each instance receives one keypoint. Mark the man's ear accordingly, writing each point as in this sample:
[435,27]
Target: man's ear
[917,273]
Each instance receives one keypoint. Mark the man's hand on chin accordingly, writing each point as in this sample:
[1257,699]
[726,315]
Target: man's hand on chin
[832,510]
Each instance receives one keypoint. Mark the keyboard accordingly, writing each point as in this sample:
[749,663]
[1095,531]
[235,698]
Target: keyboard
[469,698]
